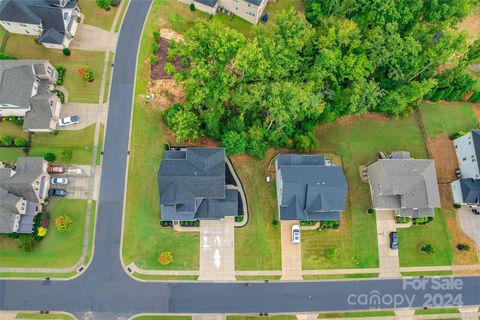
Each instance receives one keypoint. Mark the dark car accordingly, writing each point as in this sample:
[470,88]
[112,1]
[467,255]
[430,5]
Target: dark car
[56,192]
[393,240]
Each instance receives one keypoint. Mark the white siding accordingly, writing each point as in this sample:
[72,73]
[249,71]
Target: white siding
[22,28]
[208,10]
[467,158]
[12,111]
[457,192]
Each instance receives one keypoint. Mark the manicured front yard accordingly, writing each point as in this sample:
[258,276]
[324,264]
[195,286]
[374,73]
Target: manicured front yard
[25,47]
[56,316]
[435,233]
[358,140]
[80,142]
[257,245]
[143,239]
[362,314]
[57,249]
[447,118]
[96,16]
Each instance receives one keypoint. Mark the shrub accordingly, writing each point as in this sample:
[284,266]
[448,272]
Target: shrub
[67,155]
[371,211]
[104,4]
[155,47]
[329,224]
[6,140]
[239,219]
[463,247]
[60,95]
[457,205]
[86,73]
[116,3]
[61,74]
[156,36]
[4,56]
[427,248]
[458,134]
[332,253]
[26,242]
[20,142]
[275,222]
[422,221]
[307,223]
[165,258]
[192,7]
[42,232]
[50,157]
[402,219]
[16,120]
[66,52]
[44,219]
[153,59]
[63,223]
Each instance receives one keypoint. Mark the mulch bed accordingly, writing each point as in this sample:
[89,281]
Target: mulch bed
[157,71]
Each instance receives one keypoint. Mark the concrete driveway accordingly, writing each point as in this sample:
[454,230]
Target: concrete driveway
[93,38]
[389,260]
[291,253]
[217,250]
[470,225]
[78,183]
[88,113]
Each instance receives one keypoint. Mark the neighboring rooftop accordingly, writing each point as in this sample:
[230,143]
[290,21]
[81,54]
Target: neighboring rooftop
[405,184]
[192,185]
[310,189]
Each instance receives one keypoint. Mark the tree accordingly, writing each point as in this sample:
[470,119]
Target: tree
[165,258]
[86,73]
[104,4]
[66,52]
[234,143]
[20,142]
[427,248]
[50,157]
[63,223]
[186,126]
[6,140]
[26,242]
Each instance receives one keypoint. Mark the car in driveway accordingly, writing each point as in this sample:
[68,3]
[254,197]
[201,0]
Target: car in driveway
[59,180]
[296,234]
[393,240]
[56,169]
[54,192]
[69,121]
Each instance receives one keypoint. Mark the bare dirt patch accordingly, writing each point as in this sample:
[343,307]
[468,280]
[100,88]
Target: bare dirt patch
[471,25]
[157,70]
[476,110]
[167,92]
[170,34]
[443,152]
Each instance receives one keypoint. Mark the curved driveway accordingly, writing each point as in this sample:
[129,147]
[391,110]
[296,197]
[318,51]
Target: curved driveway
[107,291]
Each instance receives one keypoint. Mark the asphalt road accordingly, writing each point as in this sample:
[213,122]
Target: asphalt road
[106,291]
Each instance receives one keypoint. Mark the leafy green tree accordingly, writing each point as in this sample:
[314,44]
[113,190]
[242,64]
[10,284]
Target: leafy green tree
[26,242]
[234,143]
[186,126]
[6,140]
[104,4]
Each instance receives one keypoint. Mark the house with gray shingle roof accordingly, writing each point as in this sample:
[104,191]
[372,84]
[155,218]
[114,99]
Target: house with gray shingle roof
[249,10]
[406,185]
[23,189]
[54,22]
[466,190]
[309,187]
[192,185]
[25,91]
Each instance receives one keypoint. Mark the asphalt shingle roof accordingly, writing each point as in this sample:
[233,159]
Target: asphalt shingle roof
[470,191]
[208,3]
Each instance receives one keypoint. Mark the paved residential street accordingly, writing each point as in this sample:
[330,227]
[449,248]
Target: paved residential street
[217,249]
[291,253]
[470,224]
[105,291]
[389,261]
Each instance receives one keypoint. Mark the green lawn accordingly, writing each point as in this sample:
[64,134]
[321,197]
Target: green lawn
[437,311]
[56,250]
[143,239]
[10,154]
[96,16]
[100,144]
[109,75]
[257,245]
[162,278]
[362,314]
[25,47]
[435,233]
[358,141]
[57,316]
[91,232]
[341,276]
[447,118]
[79,141]
[37,275]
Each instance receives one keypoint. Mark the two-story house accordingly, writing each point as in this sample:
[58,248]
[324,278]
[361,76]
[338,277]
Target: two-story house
[250,10]
[23,189]
[25,91]
[54,22]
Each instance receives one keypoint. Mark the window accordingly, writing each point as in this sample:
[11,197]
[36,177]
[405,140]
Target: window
[27,31]
[464,159]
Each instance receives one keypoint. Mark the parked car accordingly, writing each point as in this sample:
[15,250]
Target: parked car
[59,180]
[56,169]
[53,192]
[475,212]
[296,234]
[393,240]
[69,121]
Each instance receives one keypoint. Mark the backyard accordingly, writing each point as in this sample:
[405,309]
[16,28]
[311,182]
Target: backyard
[57,249]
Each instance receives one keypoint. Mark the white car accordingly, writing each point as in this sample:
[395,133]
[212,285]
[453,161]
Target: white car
[296,234]
[59,180]
[69,121]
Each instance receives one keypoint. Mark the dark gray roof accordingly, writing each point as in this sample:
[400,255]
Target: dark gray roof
[19,181]
[404,184]
[470,191]
[192,185]
[51,36]
[255,2]
[476,142]
[208,3]
[16,84]
[17,11]
[310,189]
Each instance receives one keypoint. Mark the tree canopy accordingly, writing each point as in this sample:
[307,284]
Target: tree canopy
[344,57]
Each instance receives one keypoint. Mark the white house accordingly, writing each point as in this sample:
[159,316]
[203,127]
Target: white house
[25,91]
[466,190]
[250,10]
[54,22]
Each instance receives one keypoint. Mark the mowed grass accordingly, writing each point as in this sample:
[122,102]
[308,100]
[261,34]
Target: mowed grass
[358,141]
[143,239]
[57,249]
[447,118]
[162,318]
[10,154]
[25,47]
[361,314]
[257,245]
[97,16]
[57,316]
[276,317]
[80,142]
[435,233]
